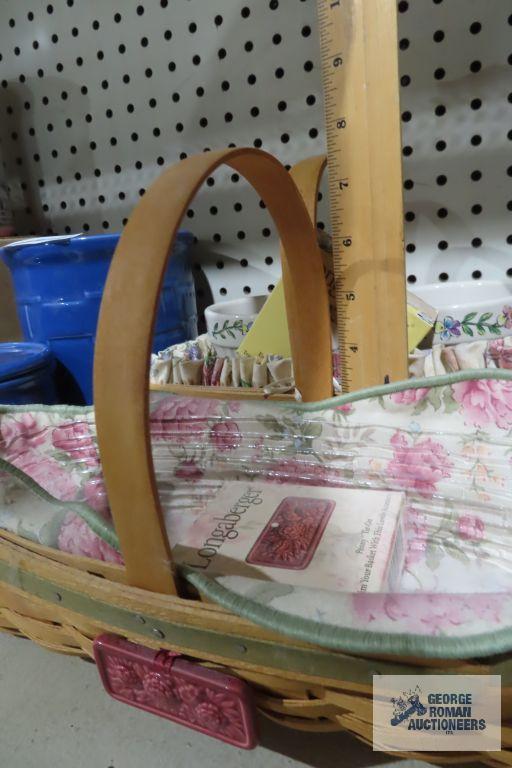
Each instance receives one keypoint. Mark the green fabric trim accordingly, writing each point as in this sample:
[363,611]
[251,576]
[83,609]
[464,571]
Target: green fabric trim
[96,523]
[428,382]
[349,640]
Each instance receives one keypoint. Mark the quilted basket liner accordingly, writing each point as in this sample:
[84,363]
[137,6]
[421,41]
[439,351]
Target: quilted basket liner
[445,441]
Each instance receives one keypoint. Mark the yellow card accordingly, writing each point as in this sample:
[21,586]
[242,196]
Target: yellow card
[269,332]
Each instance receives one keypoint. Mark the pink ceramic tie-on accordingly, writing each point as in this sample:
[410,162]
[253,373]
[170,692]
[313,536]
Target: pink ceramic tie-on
[163,683]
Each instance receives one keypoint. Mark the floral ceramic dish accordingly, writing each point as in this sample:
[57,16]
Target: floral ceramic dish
[228,322]
[470,310]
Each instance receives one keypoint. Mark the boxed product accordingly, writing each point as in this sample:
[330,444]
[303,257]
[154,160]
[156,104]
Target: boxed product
[346,539]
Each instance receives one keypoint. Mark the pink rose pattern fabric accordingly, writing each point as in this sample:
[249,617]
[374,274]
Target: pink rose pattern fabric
[418,465]
[225,435]
[471,528]
[183,420]
[485,402]
[77,538]
[409,396]
[449,445]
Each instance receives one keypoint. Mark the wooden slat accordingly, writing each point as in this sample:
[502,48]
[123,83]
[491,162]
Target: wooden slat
[360,77]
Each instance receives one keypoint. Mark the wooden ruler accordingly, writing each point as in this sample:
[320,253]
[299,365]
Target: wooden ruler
[358,41]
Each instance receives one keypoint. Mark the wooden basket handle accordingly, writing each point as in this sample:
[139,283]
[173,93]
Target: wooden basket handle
[125,331]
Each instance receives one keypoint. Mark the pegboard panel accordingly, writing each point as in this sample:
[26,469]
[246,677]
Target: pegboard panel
[98,96]
[456,101]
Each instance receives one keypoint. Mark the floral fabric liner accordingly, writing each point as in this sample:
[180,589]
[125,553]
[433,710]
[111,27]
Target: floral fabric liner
[445,441]
[462,356]
[197,362]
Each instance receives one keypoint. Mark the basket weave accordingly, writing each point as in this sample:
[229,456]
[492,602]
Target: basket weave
[63,602]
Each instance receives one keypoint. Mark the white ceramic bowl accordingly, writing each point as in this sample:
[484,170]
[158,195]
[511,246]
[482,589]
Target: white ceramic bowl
[228,321]
[468,311]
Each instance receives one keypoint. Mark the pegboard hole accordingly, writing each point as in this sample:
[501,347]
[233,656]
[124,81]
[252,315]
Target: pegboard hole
[476,242]
[442,245]
[411,279]
[269,260]
[476,175]
[476,274]
[247,288]
[223,291]
[244,263]
[476,209]
[444,276]
[409,216]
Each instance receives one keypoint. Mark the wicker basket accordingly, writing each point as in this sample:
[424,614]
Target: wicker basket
[63,602]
